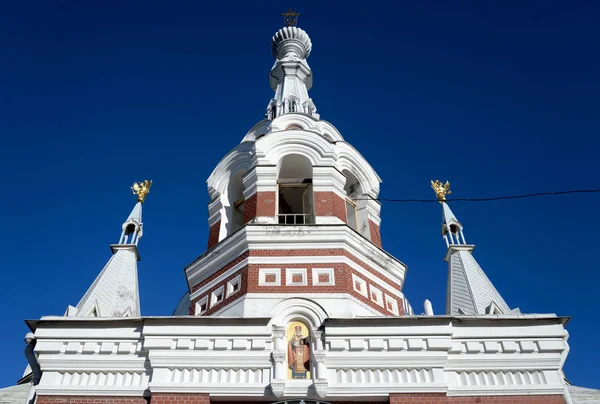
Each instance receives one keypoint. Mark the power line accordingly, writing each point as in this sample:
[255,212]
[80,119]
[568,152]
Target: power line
[496,198]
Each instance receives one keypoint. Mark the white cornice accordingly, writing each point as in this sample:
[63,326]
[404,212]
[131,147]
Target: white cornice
[259,237]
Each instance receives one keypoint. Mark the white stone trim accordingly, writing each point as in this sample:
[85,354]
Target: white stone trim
[366,357]
[262,274]
[319,271]
[375,295]
[289,276]
[362,289]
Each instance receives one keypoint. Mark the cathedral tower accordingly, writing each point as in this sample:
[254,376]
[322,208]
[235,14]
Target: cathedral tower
[294,213]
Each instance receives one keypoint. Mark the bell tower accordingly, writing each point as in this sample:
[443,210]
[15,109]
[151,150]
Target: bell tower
[293,212]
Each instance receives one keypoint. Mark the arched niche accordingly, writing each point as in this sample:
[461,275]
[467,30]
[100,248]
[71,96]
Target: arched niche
[298,309]
[295,205]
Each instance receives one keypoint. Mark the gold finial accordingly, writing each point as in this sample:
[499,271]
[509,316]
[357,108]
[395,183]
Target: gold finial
[290,17]
[141,189]
[441,190]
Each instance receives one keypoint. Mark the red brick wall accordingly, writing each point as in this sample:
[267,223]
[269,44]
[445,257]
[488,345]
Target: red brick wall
[375,234]
[90,400]
[180,398]
[213,234]
[330,204]
[259,204]
[265,205]
[250,208]
[441,398]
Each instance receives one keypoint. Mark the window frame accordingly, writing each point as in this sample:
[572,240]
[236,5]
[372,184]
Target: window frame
[238,280]
[215,294]
[199,303]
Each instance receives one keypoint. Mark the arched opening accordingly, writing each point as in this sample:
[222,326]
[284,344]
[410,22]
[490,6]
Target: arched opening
[130,229]
[129,234]
[356,212]
[295,193]
[235,196]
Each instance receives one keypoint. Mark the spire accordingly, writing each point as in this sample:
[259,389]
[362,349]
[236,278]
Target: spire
[291,77]
[470,291]
[115,292]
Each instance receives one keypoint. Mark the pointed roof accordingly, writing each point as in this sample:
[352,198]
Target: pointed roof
[447,215]
[136,214]
[470,291]
[114,293]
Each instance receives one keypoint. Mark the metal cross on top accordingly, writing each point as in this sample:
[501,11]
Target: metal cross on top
[290,17]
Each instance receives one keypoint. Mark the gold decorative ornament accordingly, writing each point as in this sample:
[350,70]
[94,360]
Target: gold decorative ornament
[441,190]
[290,17]
[141,189]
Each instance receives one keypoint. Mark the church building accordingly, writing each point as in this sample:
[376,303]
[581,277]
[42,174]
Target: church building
[295,299]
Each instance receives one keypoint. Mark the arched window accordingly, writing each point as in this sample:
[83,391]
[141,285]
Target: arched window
[235,196]
[295,193]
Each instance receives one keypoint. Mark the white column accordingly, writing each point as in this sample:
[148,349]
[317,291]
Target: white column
[450,235]
[134,237]
[279,352]
[446,240]
[121,238]
[463,237]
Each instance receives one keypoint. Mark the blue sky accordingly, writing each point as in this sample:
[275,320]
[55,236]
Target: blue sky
[499,98]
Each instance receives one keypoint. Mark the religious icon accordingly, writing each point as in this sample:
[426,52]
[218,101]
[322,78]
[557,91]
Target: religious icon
[298,351]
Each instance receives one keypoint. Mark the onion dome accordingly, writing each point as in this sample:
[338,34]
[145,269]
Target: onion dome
[291,41]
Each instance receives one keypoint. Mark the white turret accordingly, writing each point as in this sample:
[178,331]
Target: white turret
[291,77]
[470,291]
[115,292]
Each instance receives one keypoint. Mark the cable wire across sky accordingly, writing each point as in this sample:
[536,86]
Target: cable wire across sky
[496,198]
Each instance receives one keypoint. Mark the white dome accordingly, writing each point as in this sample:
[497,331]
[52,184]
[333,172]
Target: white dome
[291,35]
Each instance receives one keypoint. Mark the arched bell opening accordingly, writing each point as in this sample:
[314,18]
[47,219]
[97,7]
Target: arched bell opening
[356,205]
[294,190]
[130,234]
[235,198]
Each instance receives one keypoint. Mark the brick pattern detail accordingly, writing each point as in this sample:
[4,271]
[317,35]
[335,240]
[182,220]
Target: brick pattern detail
[441,398]
[90,400]
[250,279]
[375,233]
[180,398]
[323,278]
[231,298]
[213,234]
[330,204]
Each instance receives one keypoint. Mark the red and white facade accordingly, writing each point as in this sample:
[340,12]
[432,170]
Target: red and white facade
[294,244]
